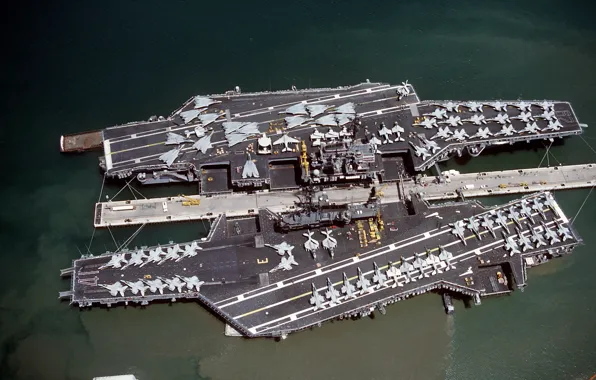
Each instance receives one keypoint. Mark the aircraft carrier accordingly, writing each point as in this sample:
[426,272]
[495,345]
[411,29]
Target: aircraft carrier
[270,271]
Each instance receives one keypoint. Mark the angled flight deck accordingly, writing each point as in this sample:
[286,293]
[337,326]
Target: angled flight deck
[264,283]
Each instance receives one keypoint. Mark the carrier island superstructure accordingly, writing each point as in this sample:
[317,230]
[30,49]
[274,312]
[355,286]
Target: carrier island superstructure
[269,271]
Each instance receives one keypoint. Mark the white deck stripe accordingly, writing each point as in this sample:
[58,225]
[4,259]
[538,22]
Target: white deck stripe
[108,154]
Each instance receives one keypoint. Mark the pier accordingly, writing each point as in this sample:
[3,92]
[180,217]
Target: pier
[173,209]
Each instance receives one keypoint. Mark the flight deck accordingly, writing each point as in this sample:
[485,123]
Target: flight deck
[266,283]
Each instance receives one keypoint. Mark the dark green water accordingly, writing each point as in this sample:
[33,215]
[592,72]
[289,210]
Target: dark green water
[74,66]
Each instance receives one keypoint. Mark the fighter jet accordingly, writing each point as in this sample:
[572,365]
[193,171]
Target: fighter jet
[311,245]
[498,106]
[453,121]
[208,118]
[285,140]
[156,285]
[550,234]
[347,108]
[458,230]
[427,123]
[446,256]
[317,109]
[523,240]
[506,130]
[474,106]
[374,142]
[531,128]
[403,90]
[170,156]
[327,120]
[548,115]
[385,133]
[136,258]
[116,261]
[432,146]
[332,294]
[190,250]
[154,256]
[538,207]
[474,226]
[348,289]
[378,277]
[295,121]
[483,133]
[176,139]
[281,248]
[514,215]
[489,224]
[476,119]
[450,106]
[546,105]
[419,263]
[563,231]
[526,117]
[439,113]
[296,109]
[204,102]
[459,135]
[363,283]
[548,202]
[171,254]
[398,131]
[188,116]
[174,283]
[137,287]
[501,118]
[433,261]
[444,133]
[526,211]
[406,269]
[203,144]
[420,151]
[523,106]
[329,242]
[394,273]
[285,263]
[536,237]
[553,125]
[250,168]
[316,300]
[511,245]
[501,219]
[115,288]
[192,282]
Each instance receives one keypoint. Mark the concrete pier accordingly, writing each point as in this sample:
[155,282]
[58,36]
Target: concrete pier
[171,209]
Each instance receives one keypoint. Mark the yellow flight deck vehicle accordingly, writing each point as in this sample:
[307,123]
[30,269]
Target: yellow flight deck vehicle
[190,201]
[502,186]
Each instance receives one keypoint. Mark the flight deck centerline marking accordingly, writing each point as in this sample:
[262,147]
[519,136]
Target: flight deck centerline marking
[382,268]
[375,251]
[347,299]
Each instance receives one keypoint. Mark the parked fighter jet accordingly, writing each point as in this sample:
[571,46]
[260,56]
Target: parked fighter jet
[550,234]
[374,142]
[203,144]
[526,211]
[446,256]
[281,248]
[285,140]
[536,237]
[116,261]
[506,130]
[476,119]
[427,123]
[394,273]
[439,113]
[453,121]
[378,277]
[459,135]
[483,133]
[192,282]
[553,125]
[433,261]
[398,131]
[285,263]
[171,254]
[450,106]
[563,231]
[523,106]
[176,139]
[474,106]
[419,264]
[385,133]
[154,256]
[489,224]
[501,118]
[174,283]
[420,151]
[444,133]
[511,245]
[348,289]
[317,109]
[136,258]
[498,106]
[531,128]
[548,202]
[332,294]
[548,115]
[546,105]
[137,287]
[526,117]
[538,207]
[156,285]
[406,269]
[523,240]
[432,146]
[514,215]
[190,250]
[474,227]
[316,299]
[458,230]
[115,288]
[363,283]
[501,219]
